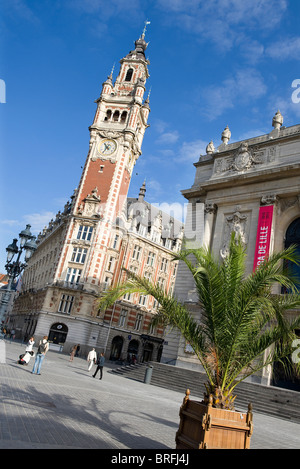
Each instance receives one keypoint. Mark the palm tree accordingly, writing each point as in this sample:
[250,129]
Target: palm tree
[242,326]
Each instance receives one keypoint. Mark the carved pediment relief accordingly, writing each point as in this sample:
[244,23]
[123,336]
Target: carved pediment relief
[244,159]
[287,203]
[110,134]
[90,205]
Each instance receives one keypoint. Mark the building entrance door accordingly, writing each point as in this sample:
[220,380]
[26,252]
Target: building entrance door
[132,351]
[58,333]
[148,351]
[116,348]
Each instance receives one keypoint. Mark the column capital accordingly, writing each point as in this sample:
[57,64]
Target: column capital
[210,208]
[269,199]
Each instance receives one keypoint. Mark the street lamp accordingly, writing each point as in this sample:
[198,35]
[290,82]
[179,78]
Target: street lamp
[15,267]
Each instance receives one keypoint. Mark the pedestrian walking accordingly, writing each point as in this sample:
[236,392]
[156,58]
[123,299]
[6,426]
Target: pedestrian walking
[77,350]
[100,363]
[30,345]
[40,355]
[91,358]
[73,351]
[12,335]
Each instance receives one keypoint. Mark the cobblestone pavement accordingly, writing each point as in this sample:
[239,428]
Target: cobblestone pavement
[65,407]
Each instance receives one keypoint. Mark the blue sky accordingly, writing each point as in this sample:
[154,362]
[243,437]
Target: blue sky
[212,63]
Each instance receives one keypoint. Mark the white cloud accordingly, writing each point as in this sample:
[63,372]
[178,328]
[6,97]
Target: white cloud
[19,9]
[288,109]
[245,85]
[39,220]
[191,151]
[168,138]
[288,48]
[253,133]
[10,222]
[223,21]
[160,125]
[154,187]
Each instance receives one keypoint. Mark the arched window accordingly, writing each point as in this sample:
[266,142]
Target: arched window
[108,115]
[132,350]
[129,74]
[116,348]
[123,116]
[293,237]
[116,116]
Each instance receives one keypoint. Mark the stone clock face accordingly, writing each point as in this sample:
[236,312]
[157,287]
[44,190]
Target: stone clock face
[107,147]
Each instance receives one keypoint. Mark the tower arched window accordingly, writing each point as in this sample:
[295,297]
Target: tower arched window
[123,116]
[293,238]
[129,74]
[108,115]
[116,116]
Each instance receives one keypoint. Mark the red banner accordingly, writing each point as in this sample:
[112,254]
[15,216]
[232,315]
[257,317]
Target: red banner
[263,236]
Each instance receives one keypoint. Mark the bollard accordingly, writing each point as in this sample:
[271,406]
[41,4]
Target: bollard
[148,374]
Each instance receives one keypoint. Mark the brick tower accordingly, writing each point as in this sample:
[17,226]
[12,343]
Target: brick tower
[116,136]
[67,272]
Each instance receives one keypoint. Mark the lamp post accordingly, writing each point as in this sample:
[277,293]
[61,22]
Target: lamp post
[13,267]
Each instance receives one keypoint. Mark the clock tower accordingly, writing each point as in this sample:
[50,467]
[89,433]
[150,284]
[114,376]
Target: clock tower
[116,137]
[100,232]
[116,133]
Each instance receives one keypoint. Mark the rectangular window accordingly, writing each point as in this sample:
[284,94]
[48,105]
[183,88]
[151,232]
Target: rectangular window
[79,255]
[122,318]
[138,322]
[85,232]
[148,275]
[155,237]
[136,252]
[142,230]
[142,300]
[65,304]
[107,283]
[161,283]
[150,258]
[110,264]
[152,329]
[73,275]
[164,264]
[115,243]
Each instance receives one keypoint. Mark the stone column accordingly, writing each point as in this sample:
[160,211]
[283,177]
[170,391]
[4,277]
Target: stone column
[210,210]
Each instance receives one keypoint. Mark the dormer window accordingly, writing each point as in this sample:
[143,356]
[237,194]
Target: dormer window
[129,74]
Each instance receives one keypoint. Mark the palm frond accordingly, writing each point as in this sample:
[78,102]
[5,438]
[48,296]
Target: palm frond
[240,316]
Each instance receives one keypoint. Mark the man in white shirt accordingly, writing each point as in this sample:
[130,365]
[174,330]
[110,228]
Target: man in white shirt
[91,358]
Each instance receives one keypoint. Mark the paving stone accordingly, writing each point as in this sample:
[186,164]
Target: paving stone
[65,408]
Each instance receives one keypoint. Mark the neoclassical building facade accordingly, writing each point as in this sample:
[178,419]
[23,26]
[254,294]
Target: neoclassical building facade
[251,187]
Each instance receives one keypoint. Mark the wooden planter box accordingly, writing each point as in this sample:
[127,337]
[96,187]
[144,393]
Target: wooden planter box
[205,427]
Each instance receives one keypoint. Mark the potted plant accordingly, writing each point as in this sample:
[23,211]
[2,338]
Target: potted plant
[241,329]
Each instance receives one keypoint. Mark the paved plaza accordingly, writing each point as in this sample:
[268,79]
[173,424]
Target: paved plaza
[66,408]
